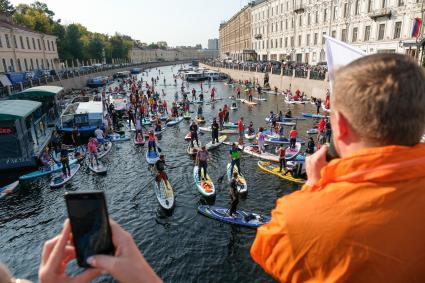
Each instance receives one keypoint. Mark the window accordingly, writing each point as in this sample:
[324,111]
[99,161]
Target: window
[4,65]
[48,45]
[333,34]
[344,35]
[384,4]
[400,3]
[300,21]
[308,19]
[299,40]
[334,15]
[355,32]
[286,42]
[36,62]
[357,7]
[39,46]
[315,39]
[292,23]
[22,42]
[367,33]
[7,40]
[32,64]
[12,65]
[397,30]
[316,16]
[323,37]
[271,43]
[1,44]
[292,41]
[381,32]
[369,5]
[33,43]
[15,42]
[345,10]
[286,24]
[26,63]
[307,40]
[325,15]
[28,43]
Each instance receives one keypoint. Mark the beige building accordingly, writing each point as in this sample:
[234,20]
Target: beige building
[22,49]
[141,55]
[295,29]
[235,36]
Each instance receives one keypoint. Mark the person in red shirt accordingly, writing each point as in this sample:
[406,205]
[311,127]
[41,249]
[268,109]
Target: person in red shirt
[293,134]
[281,151]
[226,113]
[164,106]
[213,94]
[221,118]
[241,130]
[250,95]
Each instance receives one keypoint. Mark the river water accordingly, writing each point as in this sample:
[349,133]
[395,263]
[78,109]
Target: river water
[183,246]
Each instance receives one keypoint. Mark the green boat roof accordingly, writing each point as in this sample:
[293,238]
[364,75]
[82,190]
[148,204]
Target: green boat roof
[39,91]
[17,109]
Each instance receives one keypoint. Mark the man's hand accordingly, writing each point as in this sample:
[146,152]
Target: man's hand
[314,164]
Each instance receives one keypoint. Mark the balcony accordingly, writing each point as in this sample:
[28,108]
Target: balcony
[299,9]
[258,36]
[380,13]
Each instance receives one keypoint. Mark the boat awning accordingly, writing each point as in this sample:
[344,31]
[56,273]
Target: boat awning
[17,109]
[89,107]
[39,91]
[4,80]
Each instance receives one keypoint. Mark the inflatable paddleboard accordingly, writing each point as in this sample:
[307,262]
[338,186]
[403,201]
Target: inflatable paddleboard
[152,157]
[164,194]
[206,186]
[8,189]
[242,218]
[211,145]
[243,186]
[103,150]
[98,169]
[60,180]
[39,173]
[174,122]
[273,168]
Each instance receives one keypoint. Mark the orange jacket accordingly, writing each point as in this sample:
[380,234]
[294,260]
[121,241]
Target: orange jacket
[363,221]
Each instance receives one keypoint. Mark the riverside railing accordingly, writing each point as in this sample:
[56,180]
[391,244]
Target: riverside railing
[309,74]
[67,74]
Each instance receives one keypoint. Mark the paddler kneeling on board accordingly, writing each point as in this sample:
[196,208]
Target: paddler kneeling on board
[359,217]
[160,170]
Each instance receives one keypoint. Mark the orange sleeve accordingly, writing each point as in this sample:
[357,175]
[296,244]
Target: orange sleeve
[272,248]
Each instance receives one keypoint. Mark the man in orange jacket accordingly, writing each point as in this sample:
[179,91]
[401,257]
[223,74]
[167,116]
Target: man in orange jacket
[360,217]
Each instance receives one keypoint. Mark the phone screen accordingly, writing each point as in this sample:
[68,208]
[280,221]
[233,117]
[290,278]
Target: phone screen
[89,224]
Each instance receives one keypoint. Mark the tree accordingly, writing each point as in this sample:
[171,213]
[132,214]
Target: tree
[74,46]
[33,18]
[6,7]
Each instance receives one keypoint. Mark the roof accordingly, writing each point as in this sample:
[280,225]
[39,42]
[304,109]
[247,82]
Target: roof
[16,109]
[89,107]
[39,91]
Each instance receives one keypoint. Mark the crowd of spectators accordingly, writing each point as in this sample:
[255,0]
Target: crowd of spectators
[288,68]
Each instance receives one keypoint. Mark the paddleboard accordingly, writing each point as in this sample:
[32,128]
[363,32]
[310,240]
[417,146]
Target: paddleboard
[243,186]
[233,107]
[248,102]
[230,125]
[273,168]
[224,132]
[152,157]
[310,115]
[242,218]
[60,180]
[164,194]
[103,150]
[210,145]
[115,137]
[193,150]
[39,173]
[139,142]
[187,116]
[200,121]
[8,189]
[259,99]
[174,122]
[312,131]
[98,169]
[205,187]
[188,137]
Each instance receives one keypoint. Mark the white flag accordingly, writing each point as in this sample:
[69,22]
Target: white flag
[339,54]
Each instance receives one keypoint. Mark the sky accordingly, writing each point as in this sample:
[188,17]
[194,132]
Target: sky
[184,22]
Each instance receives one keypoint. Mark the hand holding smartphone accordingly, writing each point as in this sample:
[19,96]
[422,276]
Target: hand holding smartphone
[90,227]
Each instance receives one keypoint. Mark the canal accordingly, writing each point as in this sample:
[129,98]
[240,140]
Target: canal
[183,246]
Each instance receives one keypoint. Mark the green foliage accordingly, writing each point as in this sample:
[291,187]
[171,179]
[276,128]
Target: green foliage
[73,41]
[6,7]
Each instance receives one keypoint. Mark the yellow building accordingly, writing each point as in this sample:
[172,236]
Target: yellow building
[235,36]
[22,49]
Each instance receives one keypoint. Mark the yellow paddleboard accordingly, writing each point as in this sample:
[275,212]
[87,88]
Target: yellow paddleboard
[273,168]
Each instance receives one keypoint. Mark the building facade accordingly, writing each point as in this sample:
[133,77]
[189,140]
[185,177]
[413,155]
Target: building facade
[213,44]
[235,36]
[294,29]
[22,49]
[141,55]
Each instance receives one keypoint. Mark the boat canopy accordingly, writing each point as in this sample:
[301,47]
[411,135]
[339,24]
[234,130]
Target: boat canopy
[89,107]
[39,91]
[17,109]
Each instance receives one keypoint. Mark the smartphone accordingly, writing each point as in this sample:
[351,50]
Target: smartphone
[89,221]
[331,153]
